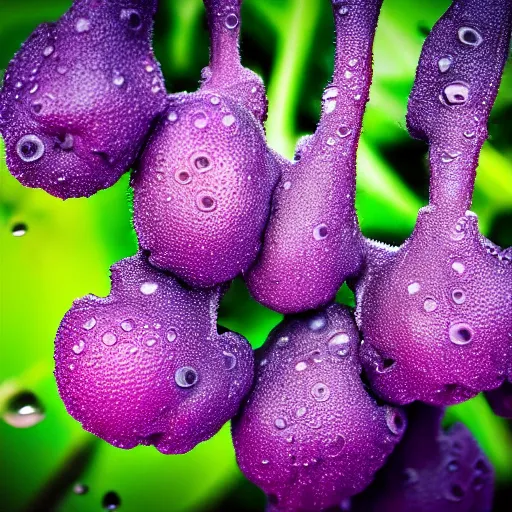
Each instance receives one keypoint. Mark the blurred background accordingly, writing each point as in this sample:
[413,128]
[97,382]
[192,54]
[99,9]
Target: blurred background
[52,252]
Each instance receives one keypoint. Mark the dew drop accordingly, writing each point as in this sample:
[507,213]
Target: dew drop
[183,177]
[231,21]
[228,120]
[149,68]
[206,202]
[459,231]
[343,10]
[455,493]
[339,344]
[444,64]
[200,120]
[469,134]
[215,100]
[470,36]
[394,420]
[458,296]
[127,325]
[334,448]
[19,229]
[65,142]
[172,116]
[456,93]
[410,476]
[109,339]
[352,62]
[280,423]
[320,392]
[82,25]
[329,99]
[343,131]
[287,185]
[460,333]
[331,141]
[111,501]
[264,462]
[186,377]
[449,156]
[148,288]
[132,17]
[202,162]
[151,342]
[229,360]
[413,288]
[19,85]
[301,366]
[80,489]
[320,232]
[171,335]
[118,80]
[283,341]
[317,322]
[300,412]
[452,466]
[30,148]
[23,410]
[79,347]
[89,324]
[62,70]
[429,304]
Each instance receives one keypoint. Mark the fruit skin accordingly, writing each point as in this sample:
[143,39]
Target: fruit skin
[124,389]
[90,91]
[431,471]
[309,434]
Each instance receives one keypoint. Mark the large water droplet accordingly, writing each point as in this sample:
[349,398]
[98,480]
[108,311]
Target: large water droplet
[317,322]
[449,156]
[458,267]
[460,333]
[148,288]
[228,120]
[206,202]
[456,93]
[287,185]
[413,288]
[89,324]
[200,120]
[172,116]
[429,304]
[343,131]
[127,325]
[118,80]
[280,423]
[395,420]
[229,360]
[30,148]
[48,51]
[300,412]
[329,99]
[444,64]
[183,177]
[19,229]
[23,410]
[132,18]
[151,342]
[111,501]
[202,162]
[109,338]
[171,335]
[339,344]
[283,341]
[79,347]
[231,21]
[320,392]
[82,25]
[301,366]
[455,492]
[186,377]
[320,232]
[458,296]
[334,448]
[470,36]
[459,231]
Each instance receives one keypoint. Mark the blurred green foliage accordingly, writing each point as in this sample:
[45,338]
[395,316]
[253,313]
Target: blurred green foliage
[69,246]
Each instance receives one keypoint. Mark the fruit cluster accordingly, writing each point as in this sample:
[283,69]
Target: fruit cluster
[325,403]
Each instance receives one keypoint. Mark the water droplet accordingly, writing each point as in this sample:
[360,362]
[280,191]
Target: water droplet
[183,177]
[343,10]
[171,335]
[80,489]
[352,62]
[413,288]
[334,448]
[19,229]
[62,70]
[394,420]
[320,392]
[118,80]
[283,341]
[410,476]
[155,89]
[339,344]
[264,462]
[215,100]
[229,360]
[460,333]
[34,88]
[79,348]
[148,288]
[280,423]
[469,134]
[348,74]
[429,304]
[228,120]
[172,116]
[133,350]
[452,466]
[458,296]
[231,21]
[111,501]
[23,410]
[329,99]
[456,93]
[82,25]
[449,156]
[444,64]
[127,325]
[186,377]
[455,493]
[202,162]
[149,68]
[89,324]
[109,338]
[150,342]
[30,148]
[132,18]
[300,412]
[206,202]
[343,131]
[287,185]
[459,232]
[317,322]
[301,366]
[320,232]
[65,142]
[200,120]
[19,85]
[469,36]
[331,141]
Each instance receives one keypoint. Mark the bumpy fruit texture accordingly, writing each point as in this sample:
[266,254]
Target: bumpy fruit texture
[312,242]
[500,400]
[436,313]
[80,96]
[309,434]
[146,365]
[203,188]
[431,471]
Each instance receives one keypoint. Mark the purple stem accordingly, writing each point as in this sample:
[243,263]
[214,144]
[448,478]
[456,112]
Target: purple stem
[457,81]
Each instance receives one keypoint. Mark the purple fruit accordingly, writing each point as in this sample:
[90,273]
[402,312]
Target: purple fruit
[431,471]
[80,96]
[146,365]
[203,188]
[309,433]
[436,313]
[312,242]
[500,400]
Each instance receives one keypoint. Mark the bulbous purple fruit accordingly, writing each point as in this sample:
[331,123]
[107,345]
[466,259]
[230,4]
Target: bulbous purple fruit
[436,313]
[203,188]
[312,242]
[309,434]
[146,365]
[431,471]
[500,400]
[80,96]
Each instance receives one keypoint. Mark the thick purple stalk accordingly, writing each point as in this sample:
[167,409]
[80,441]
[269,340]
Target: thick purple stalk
[457,80]
[431,471]
[146,365]
[313,243]
[309,434]
[80,96]
[436,314]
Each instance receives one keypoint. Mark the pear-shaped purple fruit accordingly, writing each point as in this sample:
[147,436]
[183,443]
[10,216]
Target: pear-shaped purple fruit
[312,242]
[431,471]
[146,365]
[500,400]
[309,434]
[436,313]
[203,188]
[79,98]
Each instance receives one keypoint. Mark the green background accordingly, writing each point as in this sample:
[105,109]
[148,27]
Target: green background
[69,246]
